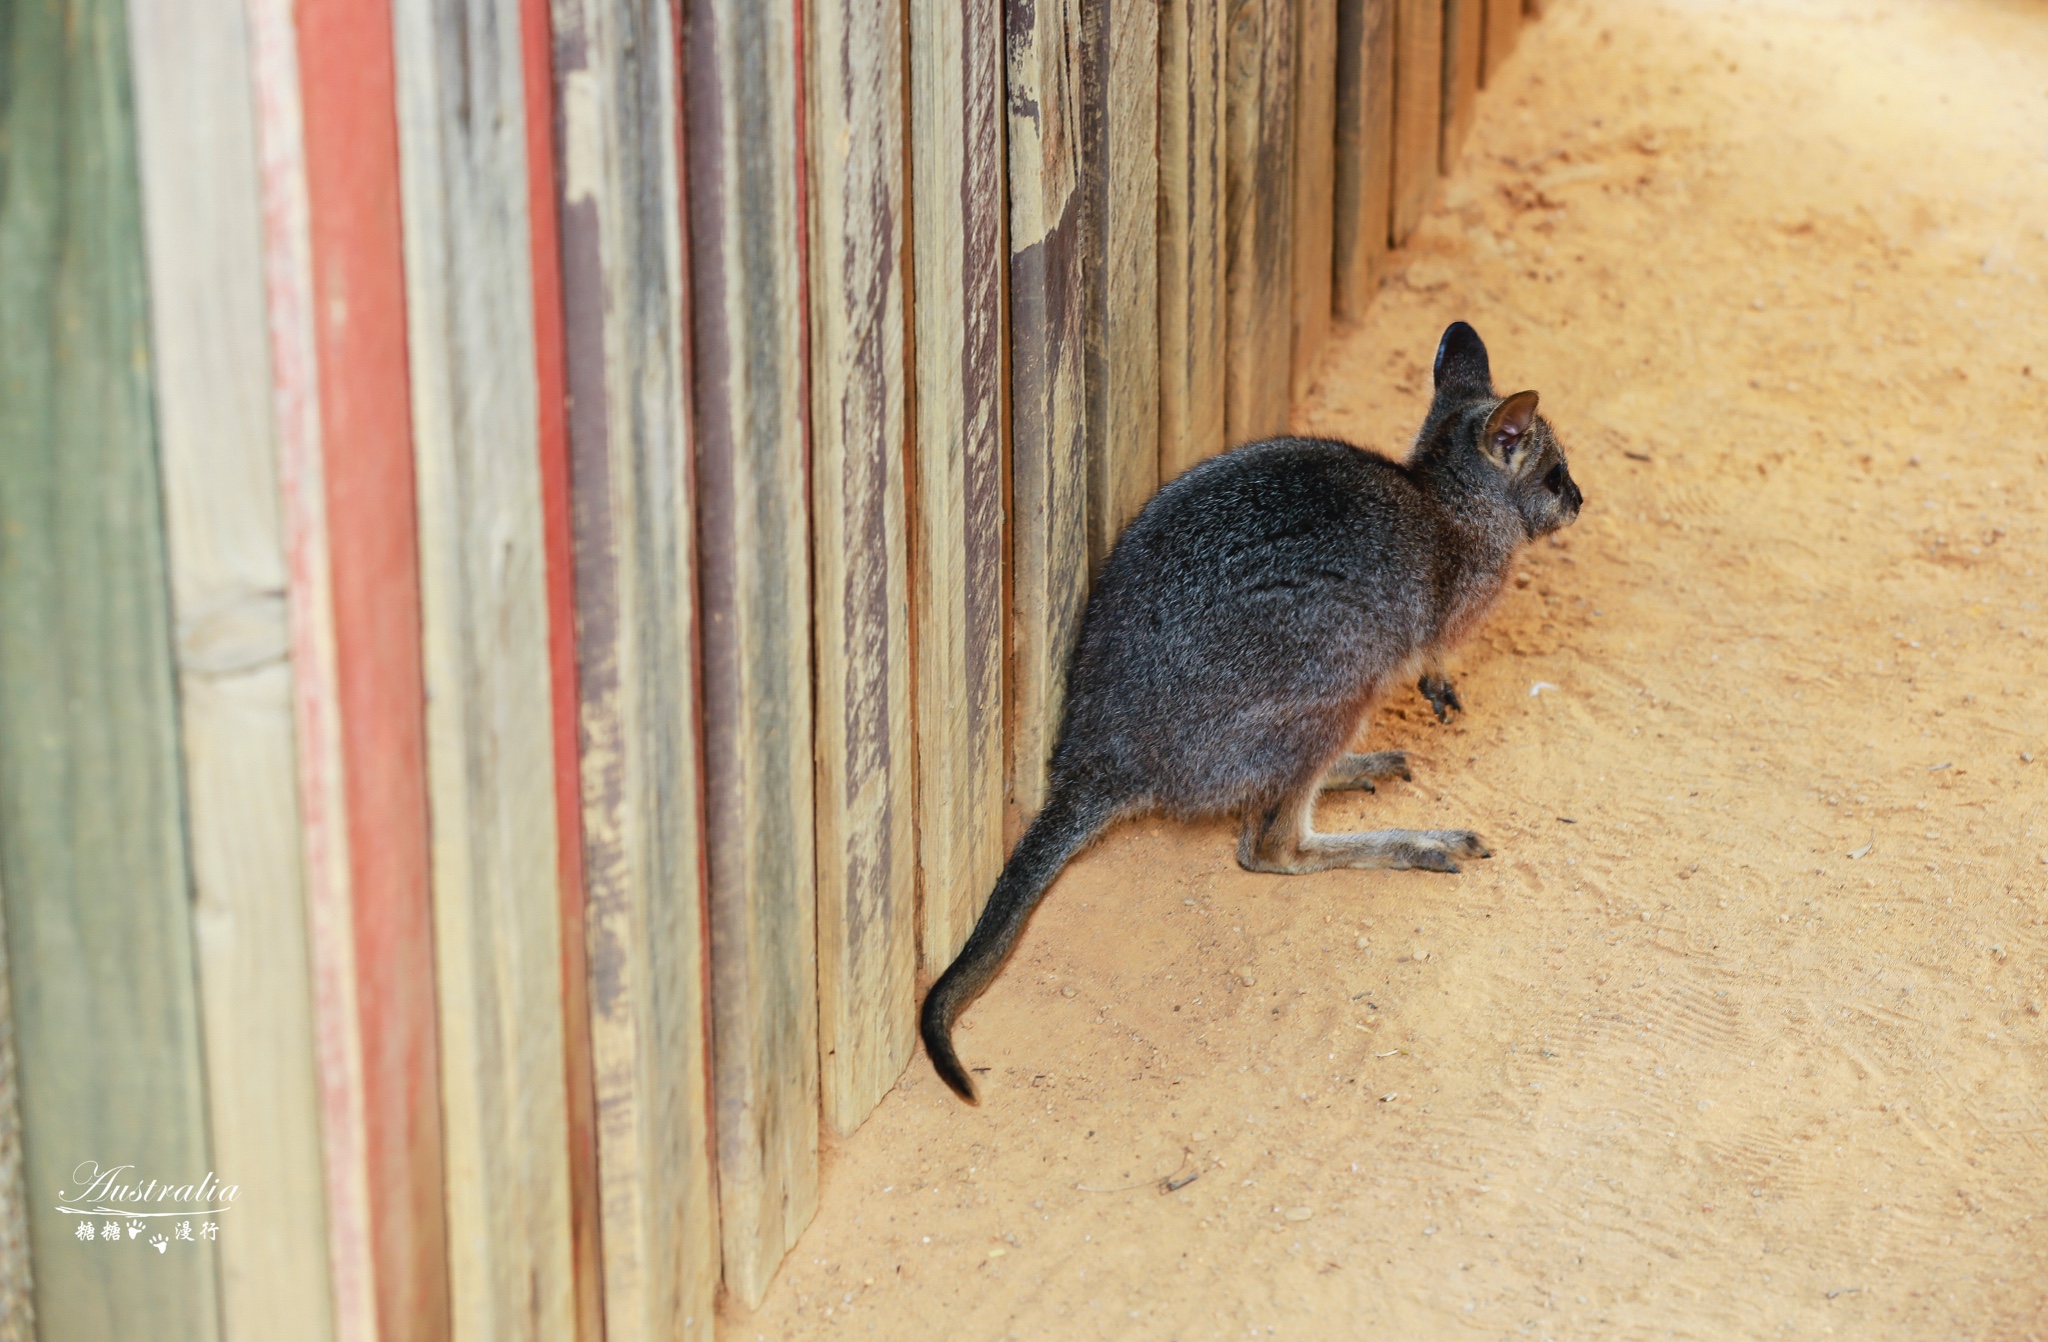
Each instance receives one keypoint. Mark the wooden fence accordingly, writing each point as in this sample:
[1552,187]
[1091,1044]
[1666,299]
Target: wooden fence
[538,545]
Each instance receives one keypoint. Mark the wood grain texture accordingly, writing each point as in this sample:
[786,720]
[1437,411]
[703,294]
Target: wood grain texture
[1503,27]
[328,131]
[1048,426]
[1120,220]
[1365,150]
[321,813]
[93,862]
[747,377]
[1191,233]
[17,1282]
[1259,219]
[485,624]
[1418,111]
[202,224]
[551,394]
[956,145]
[1464,39]
[1315,183]
[624,294]
[866,798]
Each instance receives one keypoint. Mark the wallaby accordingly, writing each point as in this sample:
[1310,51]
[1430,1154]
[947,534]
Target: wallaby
[1245,622]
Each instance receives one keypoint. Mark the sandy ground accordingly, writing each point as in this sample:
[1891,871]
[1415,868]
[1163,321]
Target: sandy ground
[1740,1033]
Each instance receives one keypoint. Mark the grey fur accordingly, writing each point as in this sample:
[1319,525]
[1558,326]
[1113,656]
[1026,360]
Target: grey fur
[1246,622]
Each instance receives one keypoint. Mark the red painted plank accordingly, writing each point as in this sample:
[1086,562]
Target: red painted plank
[354,236]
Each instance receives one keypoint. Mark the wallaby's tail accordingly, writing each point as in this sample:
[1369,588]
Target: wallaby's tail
[1062,829]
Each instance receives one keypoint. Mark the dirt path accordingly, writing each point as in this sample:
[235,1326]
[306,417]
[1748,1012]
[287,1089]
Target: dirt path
[1740,1034]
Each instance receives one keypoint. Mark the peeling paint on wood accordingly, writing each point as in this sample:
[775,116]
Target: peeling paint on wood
[747,375]
[625,299]
[203,224]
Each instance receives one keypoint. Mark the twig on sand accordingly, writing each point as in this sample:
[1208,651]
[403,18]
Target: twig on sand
[1161,1182]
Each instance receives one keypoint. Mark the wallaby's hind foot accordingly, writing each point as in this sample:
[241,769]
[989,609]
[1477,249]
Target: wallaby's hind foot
[1382,849]
[1358,772]
[1278,839]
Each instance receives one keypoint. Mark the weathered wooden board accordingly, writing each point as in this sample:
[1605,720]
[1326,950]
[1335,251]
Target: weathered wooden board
[544,247]
[1464,41]
[1315,182]
[17,1284]
[334,272]
[956,146]
[1365,149]
[1120,258]
[624,295]
[1191,250]
[485,622]
[1259,219]
[1418,111]
[1048,421]
[1503,27]
[747,296]
[866,795]
[92,848]
[203,229]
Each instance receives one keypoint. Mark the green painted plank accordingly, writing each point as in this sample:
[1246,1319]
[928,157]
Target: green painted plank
[92,855]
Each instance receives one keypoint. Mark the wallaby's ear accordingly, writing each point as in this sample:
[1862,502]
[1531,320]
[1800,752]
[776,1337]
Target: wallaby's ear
[1461,361]
[1507,429]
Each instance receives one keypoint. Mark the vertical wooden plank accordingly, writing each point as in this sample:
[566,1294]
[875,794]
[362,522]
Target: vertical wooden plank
[544,249]
[92,850]
[1365,150]
[327,129]
[866,846]
[1503,27]
[1120,258]
[202,225]
[1315,182]
[1191,241]
[747,376]
[1048,439]
[1259,219]
[1464,35]
[1418,110]
[485,623]
[624,298]
[17,1284]
[956,108]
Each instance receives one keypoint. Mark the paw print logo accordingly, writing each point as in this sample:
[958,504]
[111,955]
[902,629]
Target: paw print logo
[134,1229]
[159,1243]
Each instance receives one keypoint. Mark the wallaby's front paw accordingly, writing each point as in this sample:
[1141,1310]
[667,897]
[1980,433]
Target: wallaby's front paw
[1442,695]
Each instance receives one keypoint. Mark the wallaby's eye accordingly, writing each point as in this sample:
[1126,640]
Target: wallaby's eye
[1554,482]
